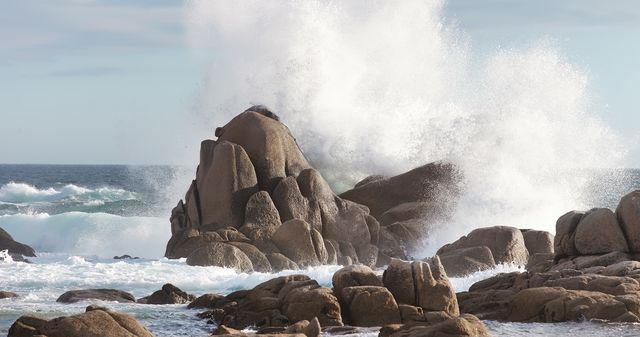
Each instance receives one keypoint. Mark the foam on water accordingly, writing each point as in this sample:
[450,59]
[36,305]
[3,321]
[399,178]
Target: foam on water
[22,193]
[382,87]
[90,234]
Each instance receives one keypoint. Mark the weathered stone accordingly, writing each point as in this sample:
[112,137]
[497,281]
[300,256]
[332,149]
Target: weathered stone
[281,262]
[206,301]
[628,215]
[564,240]
[73,296]
[538,242]
[370,306]
[295,240]
[506,244]
[309,302]
[258,259]
[599,233]
[222,255]
[352,276]
[169,294]
[464,261]
[463,326]
[95,322]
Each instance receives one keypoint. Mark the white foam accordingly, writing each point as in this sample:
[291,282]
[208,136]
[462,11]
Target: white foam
[22,193]
[90,234]
[463,283]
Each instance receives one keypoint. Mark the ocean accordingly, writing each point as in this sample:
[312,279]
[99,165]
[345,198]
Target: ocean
[79,217]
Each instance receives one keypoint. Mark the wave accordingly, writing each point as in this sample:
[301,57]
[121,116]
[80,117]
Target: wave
[379,89]
[21,193]
[90,234]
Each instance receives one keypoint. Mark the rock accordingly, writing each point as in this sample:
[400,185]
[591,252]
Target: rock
[73,296]
[564,241]
[125,257]
[206,301]
[7,294]
[294,238]
[95,322]
[169,294]
[309,329]
[433,183]
[465,261]
[281,262]
[222,255]
[589,261]
[258,260]
[464,325]
[538,242]
[312,301]
[506,244]
[270,146]
[628,215]
[623,268]
[352,276]
[488,304]
[424,284]
[545,304]
[370,306]
[598,232]
[14,247]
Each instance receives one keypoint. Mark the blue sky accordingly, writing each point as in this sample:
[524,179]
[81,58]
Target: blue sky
[113,81]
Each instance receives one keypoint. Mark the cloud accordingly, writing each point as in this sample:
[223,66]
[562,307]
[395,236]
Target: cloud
[33,28]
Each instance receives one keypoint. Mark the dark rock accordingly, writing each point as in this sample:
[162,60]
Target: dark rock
[7,294]
[14,247]
[464,325]
[169,294]
[125,257]
[73,296]
[206,301]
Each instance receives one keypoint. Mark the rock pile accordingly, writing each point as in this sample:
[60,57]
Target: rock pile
[257,205]
[483,248]
[416,293]
[95,322]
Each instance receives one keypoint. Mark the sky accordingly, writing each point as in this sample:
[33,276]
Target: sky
[115,82]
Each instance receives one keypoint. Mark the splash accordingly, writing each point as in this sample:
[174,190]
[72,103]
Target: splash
[381,87]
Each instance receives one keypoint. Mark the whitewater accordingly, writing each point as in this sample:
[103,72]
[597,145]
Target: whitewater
[365,90]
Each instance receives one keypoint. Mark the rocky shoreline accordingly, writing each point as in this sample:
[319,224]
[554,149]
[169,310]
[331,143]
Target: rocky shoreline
[257,205]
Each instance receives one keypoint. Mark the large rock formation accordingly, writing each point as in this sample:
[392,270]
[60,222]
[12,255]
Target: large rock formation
[95,322]
[257,205]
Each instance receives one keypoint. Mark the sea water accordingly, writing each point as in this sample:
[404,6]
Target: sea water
[79,217]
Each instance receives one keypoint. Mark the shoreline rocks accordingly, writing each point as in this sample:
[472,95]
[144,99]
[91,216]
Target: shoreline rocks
[257,204]
[16,249]
[95,321]
[73,296]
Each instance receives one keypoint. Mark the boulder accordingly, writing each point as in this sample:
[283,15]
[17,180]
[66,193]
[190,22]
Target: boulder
[370,306]
[465,261]
[506,244]
[311,301]
[352,276]
[7,294]
[73,296]
[169,294]
[222,255]
[14,247]
[564,240]
[464,325]
[538,242]
[434,183]
[423,284]
[206,301]
[95,322]
[598,232]
[628,215]
[300,243]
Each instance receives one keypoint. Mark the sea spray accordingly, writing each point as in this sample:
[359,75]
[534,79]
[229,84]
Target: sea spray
[373,87]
